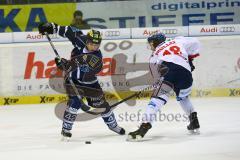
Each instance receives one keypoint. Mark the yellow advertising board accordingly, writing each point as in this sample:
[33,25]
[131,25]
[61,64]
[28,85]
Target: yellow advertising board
[18,18]
[56,98]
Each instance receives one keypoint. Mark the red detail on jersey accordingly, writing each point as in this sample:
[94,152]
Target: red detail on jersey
[166,52]
[191,57]
[173,49]
[164,46]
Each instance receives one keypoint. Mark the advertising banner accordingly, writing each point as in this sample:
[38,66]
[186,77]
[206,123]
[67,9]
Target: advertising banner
[34,37]
[6,38]
[26,68]
[215,30]
[168,31]
[20,18]
[122,14]
[116,33]
[130,33]
[164,13]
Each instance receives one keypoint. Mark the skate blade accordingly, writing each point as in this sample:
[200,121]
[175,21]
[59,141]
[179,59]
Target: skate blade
[194,132]
[65,139]
[137,139]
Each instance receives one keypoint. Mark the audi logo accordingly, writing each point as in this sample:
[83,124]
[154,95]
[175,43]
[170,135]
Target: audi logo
[112,33]
[227,29]
[169,31]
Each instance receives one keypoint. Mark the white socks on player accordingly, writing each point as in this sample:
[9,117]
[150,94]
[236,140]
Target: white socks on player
[153,107]
[186,106]
[156,105]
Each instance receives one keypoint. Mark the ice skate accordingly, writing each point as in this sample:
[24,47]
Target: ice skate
[140,133]
[194,126]
[66,135]
[118,130]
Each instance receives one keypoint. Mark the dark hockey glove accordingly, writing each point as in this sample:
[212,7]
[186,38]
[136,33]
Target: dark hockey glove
[62,63]
[50,28]
[191,64]
[190,59]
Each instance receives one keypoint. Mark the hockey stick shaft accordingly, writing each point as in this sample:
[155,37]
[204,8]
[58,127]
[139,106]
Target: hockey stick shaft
[158,83]
[52,45]
[124,100]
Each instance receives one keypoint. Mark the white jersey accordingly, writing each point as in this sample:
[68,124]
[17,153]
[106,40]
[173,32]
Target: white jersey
[176,51]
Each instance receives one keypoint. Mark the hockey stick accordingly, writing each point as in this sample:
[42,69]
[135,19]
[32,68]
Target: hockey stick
[53,47]
[137,94]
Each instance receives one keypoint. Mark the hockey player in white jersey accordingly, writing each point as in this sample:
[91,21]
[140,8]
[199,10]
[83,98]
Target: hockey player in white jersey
[170,62]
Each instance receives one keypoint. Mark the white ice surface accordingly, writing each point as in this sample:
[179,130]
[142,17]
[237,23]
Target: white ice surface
[32,132]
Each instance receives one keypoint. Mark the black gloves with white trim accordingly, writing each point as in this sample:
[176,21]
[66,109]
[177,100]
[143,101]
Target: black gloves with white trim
[48,27]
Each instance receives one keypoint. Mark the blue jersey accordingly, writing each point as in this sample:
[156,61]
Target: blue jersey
[83,74]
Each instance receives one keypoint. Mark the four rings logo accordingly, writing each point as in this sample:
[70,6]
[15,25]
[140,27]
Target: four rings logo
[169,31]
[227,29]
[112,33]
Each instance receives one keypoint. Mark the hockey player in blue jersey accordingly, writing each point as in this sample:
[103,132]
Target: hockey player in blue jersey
[81,72]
